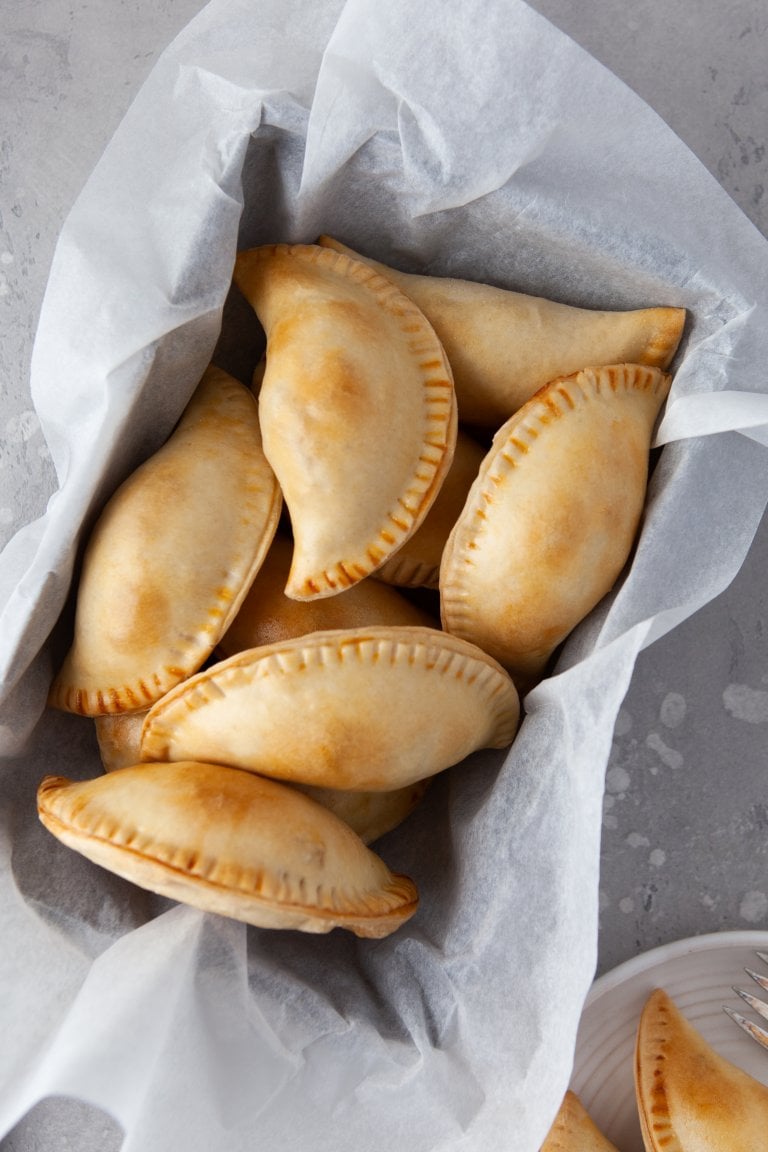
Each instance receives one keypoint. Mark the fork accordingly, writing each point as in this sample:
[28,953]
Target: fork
[754,1030]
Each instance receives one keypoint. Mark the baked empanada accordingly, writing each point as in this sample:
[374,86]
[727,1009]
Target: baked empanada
[171,557]
[357,409]
[366,709]
[417,563]
[267,615]
[551,519]
[691,1099]
[503,346]
[574,1130]
[229,842]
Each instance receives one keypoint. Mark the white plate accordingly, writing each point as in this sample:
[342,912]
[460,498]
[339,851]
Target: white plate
[699,975]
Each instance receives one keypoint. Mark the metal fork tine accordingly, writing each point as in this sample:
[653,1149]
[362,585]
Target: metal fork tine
[758,979]
[758,1006]
[754,1030]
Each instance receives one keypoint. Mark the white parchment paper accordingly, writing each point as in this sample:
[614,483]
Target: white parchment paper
[469,139]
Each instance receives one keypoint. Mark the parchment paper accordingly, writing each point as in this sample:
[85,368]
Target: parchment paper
[470,139]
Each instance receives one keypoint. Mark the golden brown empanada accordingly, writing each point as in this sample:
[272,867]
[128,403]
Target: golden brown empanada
[552,516]
[229,842]
[574,1130]
[691,1099]
[417,563]
[267,615]
[366,709]
[171,557]
[503,346]
[357,409]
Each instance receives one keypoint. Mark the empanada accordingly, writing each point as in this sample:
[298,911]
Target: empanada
[267,615]
[229,842]
[691,1099]
[357,409]
[417,563]
[551,519]
[171,557]
[574,1130]
[503,346]
[366,709]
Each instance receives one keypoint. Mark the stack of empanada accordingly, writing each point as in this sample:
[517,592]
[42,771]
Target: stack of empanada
[268,703]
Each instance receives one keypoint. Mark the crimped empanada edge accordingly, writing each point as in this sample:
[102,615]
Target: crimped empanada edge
[652,1106]
[405,572]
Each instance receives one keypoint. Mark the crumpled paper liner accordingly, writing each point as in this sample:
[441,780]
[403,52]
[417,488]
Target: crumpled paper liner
[473,140]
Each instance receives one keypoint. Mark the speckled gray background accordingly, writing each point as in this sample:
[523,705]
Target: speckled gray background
[685,845]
